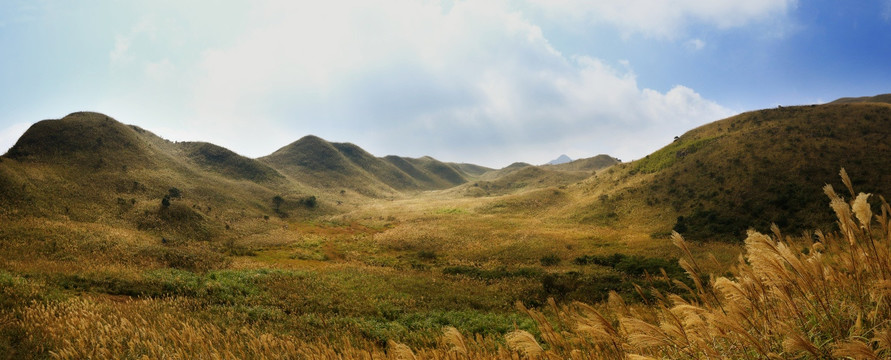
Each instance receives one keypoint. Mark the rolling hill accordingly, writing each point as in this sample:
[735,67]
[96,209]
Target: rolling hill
[750,170]
[714,182]
[343,166]
[588,164]
[88,167]
[883,98]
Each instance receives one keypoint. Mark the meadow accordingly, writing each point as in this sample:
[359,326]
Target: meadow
[356,286]
[390,270]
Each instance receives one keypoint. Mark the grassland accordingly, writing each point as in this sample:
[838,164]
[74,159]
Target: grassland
[532,263]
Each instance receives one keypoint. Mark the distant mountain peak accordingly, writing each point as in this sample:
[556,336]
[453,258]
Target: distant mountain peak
[562,159]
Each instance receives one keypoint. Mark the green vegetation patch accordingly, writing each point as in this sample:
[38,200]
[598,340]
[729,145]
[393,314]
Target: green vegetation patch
[624,272]
[633,265]
[492,274]
[670,154]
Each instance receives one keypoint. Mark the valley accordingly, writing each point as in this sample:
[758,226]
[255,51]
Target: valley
[322,250]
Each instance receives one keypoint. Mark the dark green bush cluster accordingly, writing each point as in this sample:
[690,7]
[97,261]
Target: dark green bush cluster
[576,286]
[497,273]
[309,201]
[549,260]
[633,265]
[191,258]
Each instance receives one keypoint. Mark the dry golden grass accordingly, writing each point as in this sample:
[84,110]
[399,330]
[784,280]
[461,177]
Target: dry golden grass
[783,300]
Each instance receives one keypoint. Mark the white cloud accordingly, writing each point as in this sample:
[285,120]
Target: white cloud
[695,44]
[474,82]
[664,18]
[886,10]
[121,52]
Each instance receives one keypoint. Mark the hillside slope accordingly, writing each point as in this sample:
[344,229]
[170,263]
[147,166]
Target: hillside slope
[883,98]
[343,166]
[753,169]
[88,167]
[588,164]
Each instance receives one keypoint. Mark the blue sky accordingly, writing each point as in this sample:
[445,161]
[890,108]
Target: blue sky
[487,82]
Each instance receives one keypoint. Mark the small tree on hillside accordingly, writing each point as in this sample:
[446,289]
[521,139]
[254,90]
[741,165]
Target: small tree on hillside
[174,193]
[309,201]
[277,202]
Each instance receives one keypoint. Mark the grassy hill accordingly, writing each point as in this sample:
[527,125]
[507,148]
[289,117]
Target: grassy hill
[589,164]
[87,140]
[519,177]
[429,173]
[883,98]
[471,169]
[750,170]
[523,179]
[89,168]
[223,161]
[343,166]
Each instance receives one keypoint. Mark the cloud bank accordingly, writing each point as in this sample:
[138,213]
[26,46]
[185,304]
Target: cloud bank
[474,81]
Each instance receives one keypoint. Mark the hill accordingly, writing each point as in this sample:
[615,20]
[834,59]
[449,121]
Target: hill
[524,179]
[588,164]
[90,168]
[341,166]
[471,170]
[223,161]
[84,139]
[883,98]
[520,176]
[750,170]
[428,172]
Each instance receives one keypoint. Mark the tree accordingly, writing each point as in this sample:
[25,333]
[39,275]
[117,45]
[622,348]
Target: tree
[165,201]
[277,202]
[309,201]
[681,225]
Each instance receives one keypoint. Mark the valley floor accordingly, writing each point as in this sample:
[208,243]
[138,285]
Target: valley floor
[388,270]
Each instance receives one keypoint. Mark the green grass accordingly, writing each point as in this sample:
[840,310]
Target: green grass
[669,155]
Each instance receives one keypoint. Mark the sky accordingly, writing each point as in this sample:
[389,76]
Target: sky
[485,82]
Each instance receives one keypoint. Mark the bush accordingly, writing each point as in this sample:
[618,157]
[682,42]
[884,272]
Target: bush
[549,260]
[633,265]
[309,201]
[191,258]
[498,273]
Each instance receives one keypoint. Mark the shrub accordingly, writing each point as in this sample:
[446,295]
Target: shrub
[309,201]
[497,273]
[549,260]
